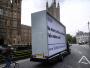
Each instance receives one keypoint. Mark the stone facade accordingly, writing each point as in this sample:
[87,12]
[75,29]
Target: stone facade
[82,37]
[10,21]
[25,35]
[54,9]
[11,30]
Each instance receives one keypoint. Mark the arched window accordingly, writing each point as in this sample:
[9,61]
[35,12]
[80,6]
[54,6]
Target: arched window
[15,1]
[11,1]
[1,40]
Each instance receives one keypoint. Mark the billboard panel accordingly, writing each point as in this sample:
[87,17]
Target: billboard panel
[56,36]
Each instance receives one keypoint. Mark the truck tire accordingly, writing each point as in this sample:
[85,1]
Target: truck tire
[60,58]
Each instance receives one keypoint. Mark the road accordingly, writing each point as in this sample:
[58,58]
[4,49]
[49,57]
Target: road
[71,61]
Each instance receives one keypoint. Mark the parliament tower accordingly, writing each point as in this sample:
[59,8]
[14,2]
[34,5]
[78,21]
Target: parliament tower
[10,21]
[54,9]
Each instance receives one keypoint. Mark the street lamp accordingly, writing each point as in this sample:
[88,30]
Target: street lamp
[89,34]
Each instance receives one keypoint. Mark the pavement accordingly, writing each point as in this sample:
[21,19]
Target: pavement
[85,46]
[79,58]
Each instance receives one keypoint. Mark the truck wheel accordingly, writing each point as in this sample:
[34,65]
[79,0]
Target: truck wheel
[60,57]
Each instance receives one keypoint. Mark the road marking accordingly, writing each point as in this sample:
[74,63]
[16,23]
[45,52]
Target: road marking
[86,61]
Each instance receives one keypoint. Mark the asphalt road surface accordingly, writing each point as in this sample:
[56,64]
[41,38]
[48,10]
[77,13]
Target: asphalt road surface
[79,58]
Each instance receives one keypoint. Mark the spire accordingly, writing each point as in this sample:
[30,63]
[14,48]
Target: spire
[54,1]
[47,4]
[58,5]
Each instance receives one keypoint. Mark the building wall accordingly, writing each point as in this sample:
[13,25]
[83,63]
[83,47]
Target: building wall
[10,21]
[16,19]
[82,37]
[54,10]
[25,35]
[5,20]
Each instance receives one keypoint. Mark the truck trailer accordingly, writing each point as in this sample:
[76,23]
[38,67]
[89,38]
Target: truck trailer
[48,37]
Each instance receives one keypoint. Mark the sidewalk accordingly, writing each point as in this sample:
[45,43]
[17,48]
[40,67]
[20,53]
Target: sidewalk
[85,46]
[2,65]
[19,62]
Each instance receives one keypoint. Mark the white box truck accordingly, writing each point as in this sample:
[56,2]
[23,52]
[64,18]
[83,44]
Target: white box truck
[48,37]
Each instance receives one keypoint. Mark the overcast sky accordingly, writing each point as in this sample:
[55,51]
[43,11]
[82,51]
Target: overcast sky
[74,14]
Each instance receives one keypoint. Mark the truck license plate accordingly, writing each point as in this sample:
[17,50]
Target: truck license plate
[39,56]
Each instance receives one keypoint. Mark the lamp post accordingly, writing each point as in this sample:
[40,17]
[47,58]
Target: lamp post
[89,34]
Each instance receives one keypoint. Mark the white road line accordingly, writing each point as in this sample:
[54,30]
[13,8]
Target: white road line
[84,58]
[84,62]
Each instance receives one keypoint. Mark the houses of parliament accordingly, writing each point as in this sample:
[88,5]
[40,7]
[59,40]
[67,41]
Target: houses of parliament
[11,30]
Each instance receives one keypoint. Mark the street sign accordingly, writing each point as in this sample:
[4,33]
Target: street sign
[84,60]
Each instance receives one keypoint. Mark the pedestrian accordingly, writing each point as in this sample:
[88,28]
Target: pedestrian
[1,43]
[7,54]
[0,49]
[68,48]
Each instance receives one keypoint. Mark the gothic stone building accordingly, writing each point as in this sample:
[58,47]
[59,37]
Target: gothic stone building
[10,21]
[82,37]
[11,30]
[54,9]
[25,35]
